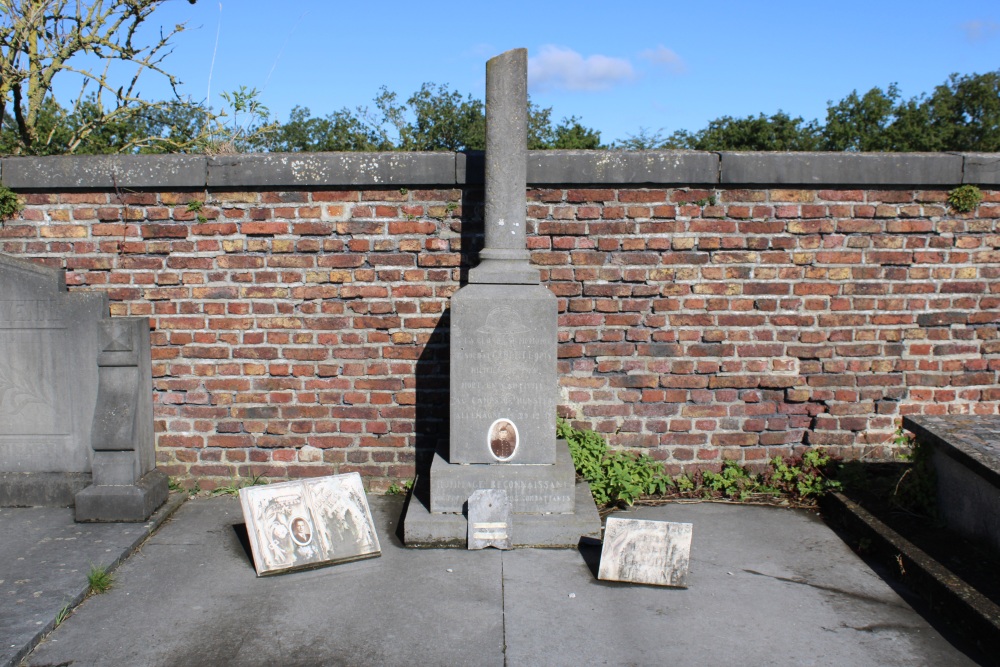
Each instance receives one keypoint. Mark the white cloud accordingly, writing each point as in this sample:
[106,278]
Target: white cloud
[980,30]
[665,58]
[558,67]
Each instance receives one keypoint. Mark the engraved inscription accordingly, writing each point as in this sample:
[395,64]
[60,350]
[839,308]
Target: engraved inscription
[28,314]
[503,439]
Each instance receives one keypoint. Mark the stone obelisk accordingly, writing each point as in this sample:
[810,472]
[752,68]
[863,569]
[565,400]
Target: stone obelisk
[504,386]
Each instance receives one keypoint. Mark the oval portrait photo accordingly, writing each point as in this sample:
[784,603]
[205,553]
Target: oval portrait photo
[503,439]
[301,531]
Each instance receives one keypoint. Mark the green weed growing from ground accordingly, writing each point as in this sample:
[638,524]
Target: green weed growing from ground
[99,580]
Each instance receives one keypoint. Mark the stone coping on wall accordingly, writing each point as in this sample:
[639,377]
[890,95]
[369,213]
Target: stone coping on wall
[443,169]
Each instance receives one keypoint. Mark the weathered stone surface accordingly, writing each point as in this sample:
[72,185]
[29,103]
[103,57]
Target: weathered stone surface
[981,168]
[489,519]
[324,169]
[640,551]
[504,259]
[503,374]
[531,488]
[49,340]
[423,528]
[105,171]
[75,399]
[612,167]
[870,169]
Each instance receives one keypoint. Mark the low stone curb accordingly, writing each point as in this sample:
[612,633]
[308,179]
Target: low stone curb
[174,501]
[961,605]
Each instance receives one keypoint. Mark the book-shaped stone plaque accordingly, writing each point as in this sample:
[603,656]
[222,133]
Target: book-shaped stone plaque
[646,552]
[308,523]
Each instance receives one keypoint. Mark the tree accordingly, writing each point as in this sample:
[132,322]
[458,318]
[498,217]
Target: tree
[42,39]
[434,118]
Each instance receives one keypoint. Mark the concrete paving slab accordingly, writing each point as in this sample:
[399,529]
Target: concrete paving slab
[44,560]
[191,597]
[767,586]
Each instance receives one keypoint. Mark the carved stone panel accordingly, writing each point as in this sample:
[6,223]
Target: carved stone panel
[48,370]
[503,374]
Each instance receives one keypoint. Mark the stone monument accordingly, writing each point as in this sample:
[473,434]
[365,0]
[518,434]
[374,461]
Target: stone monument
[504,386]
[76,400]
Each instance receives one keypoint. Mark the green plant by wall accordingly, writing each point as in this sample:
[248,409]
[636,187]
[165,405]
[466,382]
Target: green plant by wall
[10,204]
[621,477]
[965,198]
[234,486]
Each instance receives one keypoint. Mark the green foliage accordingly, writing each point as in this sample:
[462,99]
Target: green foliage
[399,490]
[242,127]
[962,114]
[965,198]
[613,476]
[10,204]
[234,486]
[621,477]
[62,615]
[802,477]
[779,132]
[99,580]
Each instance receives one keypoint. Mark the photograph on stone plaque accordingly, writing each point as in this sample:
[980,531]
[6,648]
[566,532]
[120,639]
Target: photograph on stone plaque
[503,438]
[308,523]
[640,551]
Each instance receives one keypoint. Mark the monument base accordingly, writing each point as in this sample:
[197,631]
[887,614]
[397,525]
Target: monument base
[122,503]
[532,488]
[41,489]
[423,528]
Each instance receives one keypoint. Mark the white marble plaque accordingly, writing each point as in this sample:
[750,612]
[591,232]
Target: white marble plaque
[639,551]
[489,519]
[308,523]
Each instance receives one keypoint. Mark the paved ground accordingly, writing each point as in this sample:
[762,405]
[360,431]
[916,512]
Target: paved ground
[767,586]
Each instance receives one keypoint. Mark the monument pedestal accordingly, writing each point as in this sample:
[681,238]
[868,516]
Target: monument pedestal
[423,528]
[132,502]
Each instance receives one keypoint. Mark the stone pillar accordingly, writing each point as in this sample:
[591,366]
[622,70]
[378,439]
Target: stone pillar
[505,259]
[504,384]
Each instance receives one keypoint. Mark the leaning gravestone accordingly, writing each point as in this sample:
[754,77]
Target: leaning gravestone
[504,386]
[76,413]
[640,551]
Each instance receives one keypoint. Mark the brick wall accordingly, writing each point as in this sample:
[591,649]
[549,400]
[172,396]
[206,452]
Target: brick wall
[303,330]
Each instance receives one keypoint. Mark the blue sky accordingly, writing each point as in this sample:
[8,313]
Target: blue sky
[618,66]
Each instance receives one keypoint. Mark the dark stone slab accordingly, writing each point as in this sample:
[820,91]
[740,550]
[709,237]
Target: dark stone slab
[532,488]
[981,168]
[290,170]
[503,374]
[623,167]
[862,169]
[966,461]
[422,528]
[104,172]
